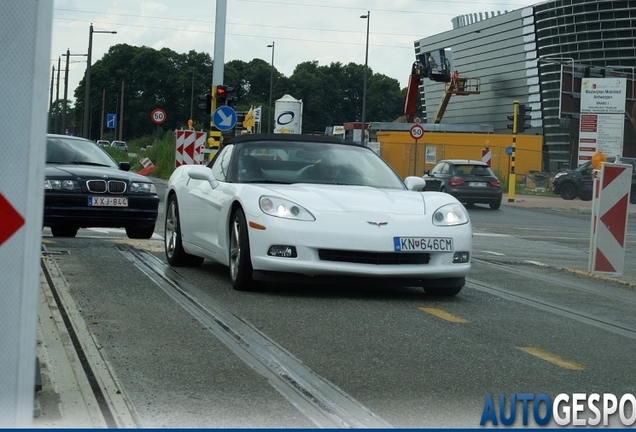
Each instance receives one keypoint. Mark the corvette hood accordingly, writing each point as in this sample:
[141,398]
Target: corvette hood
[328,198]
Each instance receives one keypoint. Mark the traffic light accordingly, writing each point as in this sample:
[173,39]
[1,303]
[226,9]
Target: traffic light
[206,104]
[223,95]
[514,118]
[220,95]
[229,99]
[522,117]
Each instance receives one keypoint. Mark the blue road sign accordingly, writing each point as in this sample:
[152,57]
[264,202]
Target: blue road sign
[224,118]
[111,121]
[509,150]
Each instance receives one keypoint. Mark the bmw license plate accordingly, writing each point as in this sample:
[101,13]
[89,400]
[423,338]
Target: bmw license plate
[477,184]
[107,202]
[422,244]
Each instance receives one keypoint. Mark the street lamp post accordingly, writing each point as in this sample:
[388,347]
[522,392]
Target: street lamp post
[87,90]
[65,103]
[364,88]
[271,86]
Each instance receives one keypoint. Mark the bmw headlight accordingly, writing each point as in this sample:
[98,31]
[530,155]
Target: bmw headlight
[450,214]
[283,208]
[557,175]
[140,187]
[68,185]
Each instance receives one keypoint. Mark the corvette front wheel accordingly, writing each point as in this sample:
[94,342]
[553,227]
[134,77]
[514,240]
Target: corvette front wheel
[240,257]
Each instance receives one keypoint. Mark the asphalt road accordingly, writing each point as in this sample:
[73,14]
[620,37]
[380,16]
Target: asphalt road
[182,349]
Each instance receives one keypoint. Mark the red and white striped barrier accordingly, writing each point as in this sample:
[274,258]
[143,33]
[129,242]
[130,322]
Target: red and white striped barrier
[609,219]
[486,156]
[190,145]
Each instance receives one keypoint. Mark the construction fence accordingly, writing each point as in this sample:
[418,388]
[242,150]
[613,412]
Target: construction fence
[410,157]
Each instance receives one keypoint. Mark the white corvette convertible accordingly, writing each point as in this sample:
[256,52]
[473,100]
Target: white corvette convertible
[297,208]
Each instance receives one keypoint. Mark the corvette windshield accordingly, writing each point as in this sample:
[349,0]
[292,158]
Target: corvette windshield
[317,163]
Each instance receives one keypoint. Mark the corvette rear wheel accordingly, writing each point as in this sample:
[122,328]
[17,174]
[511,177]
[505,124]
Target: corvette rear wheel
[172,233]
[240,257]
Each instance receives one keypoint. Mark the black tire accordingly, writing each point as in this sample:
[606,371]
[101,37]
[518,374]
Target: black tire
[140,232]
[446,287]
[64,231]
[632,195]
[173,247]
[568,191]
[495,205]
[586,197]
[240,257]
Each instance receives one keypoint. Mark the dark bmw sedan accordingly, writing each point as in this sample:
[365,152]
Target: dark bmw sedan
[470,181]
[84,187]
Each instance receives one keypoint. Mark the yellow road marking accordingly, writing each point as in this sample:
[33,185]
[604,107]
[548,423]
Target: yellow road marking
[443,315]
[552,358]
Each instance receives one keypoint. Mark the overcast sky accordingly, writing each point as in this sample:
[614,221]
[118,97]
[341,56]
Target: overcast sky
[302,30]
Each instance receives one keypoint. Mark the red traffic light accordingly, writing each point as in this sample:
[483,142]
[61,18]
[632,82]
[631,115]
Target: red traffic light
[221,90]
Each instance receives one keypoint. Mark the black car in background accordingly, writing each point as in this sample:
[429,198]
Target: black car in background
[470,181]
[84,187]
[570,184]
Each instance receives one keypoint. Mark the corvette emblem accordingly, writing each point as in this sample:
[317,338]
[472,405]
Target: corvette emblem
[378,224]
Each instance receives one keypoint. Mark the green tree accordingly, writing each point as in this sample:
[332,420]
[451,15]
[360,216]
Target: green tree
[149,79]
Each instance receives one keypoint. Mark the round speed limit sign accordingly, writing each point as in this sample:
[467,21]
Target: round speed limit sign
[417,131]
[158,116]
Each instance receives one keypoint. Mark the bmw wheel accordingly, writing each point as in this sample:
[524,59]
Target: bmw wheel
[173,243]
[140,232]
[64,231]
[632,195]
[568,191]
[240,257]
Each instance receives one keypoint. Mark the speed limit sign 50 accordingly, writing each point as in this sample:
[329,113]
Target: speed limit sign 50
[417,131]
[158,116]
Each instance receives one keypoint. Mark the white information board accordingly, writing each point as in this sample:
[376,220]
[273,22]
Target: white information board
[602,121]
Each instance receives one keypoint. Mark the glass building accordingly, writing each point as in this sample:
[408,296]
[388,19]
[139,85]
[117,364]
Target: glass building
[537,56]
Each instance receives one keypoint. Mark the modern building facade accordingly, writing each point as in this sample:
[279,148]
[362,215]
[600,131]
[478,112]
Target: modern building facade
[538,56]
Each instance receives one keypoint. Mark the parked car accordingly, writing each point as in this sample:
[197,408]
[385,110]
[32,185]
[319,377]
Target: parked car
[570,184]
[314,209]
[103,143]
[84,187]
[470,181]
[121,145]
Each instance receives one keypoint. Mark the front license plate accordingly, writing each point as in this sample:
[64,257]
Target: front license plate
[423,244]
[477,184]
[107,202]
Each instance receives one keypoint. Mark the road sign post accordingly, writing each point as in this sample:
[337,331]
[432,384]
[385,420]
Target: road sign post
[417,132]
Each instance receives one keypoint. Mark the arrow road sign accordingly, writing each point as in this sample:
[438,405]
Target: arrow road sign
[12,220]
[111,121]
[224,118]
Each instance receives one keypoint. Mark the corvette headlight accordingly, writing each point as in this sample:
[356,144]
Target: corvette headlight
[283,208]
[68,185]
[139,187]
[449,215]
